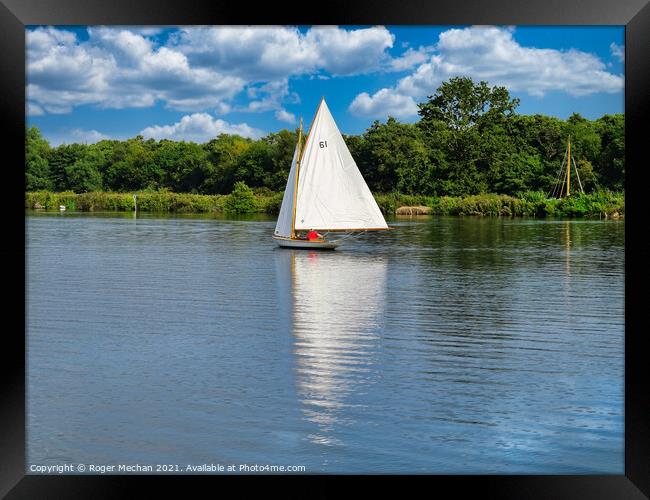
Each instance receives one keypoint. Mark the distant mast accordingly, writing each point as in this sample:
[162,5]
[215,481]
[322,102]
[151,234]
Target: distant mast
[562,186]
[568,169]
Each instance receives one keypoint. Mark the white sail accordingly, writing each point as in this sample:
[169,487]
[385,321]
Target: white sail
[332,194]
[283,226]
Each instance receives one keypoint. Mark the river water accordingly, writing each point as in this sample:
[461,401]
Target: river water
[449,345]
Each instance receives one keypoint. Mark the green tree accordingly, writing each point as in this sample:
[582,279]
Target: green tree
[543,140]
[514,173]
[37,168]
[393,157]
[222,154]
[83,175]
[184,165]
[587,175]
[59,159]
[241,200]
[461,104]
[132,166]
[610,166]
[283,145]
[255,165]
[467,123]
[468,140]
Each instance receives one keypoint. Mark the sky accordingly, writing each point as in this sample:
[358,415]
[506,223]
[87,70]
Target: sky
[88,83]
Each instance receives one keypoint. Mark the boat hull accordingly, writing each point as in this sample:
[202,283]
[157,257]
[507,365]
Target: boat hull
[311,245]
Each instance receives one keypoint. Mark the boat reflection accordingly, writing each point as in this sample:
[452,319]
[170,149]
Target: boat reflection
[337,309]
[568,244]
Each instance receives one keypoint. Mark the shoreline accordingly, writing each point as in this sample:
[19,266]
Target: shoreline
[603,205]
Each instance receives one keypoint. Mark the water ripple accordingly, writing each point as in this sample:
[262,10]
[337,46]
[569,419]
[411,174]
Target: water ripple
[449,345]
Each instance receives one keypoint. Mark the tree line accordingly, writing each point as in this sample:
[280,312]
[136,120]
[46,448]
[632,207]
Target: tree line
[468,140]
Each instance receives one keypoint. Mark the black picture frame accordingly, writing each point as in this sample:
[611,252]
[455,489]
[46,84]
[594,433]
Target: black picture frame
[16,14]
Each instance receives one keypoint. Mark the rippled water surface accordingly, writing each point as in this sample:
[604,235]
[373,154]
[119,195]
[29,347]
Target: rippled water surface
[449,345]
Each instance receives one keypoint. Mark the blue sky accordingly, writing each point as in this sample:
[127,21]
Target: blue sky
[192,83]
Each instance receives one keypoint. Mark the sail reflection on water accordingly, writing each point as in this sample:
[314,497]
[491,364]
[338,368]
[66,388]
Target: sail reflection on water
[337,309]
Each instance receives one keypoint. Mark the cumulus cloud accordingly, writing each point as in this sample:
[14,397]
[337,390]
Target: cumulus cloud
[618,51]
[272,53]
[197,68]
[221,69]
[144,30]
[384,103]
[34,109]
[254,53]
[199,127]
[75,136]
[492,54]
[268,97]
[284,116]
[117,69]
[87,136]
[409,59]
[349,52]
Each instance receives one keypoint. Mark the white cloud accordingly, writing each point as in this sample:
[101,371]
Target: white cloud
[382,104]
[87,136]
[143,30]
[349,52]
[127,47]
[284,116]
[34,109]
[269,96]
[199,127]
[618,51]
[272,53]
[491,54]
[266,57]
[253,53]
[117,69]
[409,59]
[198,68]
[210,69]
[223,108]
[75,136]
[40,41]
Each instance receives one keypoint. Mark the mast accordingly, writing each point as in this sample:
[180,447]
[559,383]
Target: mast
[562,187]
[295,187]
[568,170]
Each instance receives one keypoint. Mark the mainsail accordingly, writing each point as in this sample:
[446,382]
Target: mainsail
[325,190]
[332,194]
[283,226]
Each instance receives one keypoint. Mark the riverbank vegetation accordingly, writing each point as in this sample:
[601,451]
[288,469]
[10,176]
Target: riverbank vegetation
[603,204]
[469,152]
[242,200]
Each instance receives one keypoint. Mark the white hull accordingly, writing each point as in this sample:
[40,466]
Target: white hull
[313,245]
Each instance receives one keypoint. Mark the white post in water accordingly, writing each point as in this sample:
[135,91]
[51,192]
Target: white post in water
[135,203]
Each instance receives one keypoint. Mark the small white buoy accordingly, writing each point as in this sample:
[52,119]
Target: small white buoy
[62,207]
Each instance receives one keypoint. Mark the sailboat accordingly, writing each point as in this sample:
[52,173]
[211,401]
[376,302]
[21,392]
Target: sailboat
[325,191]
[562,186]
